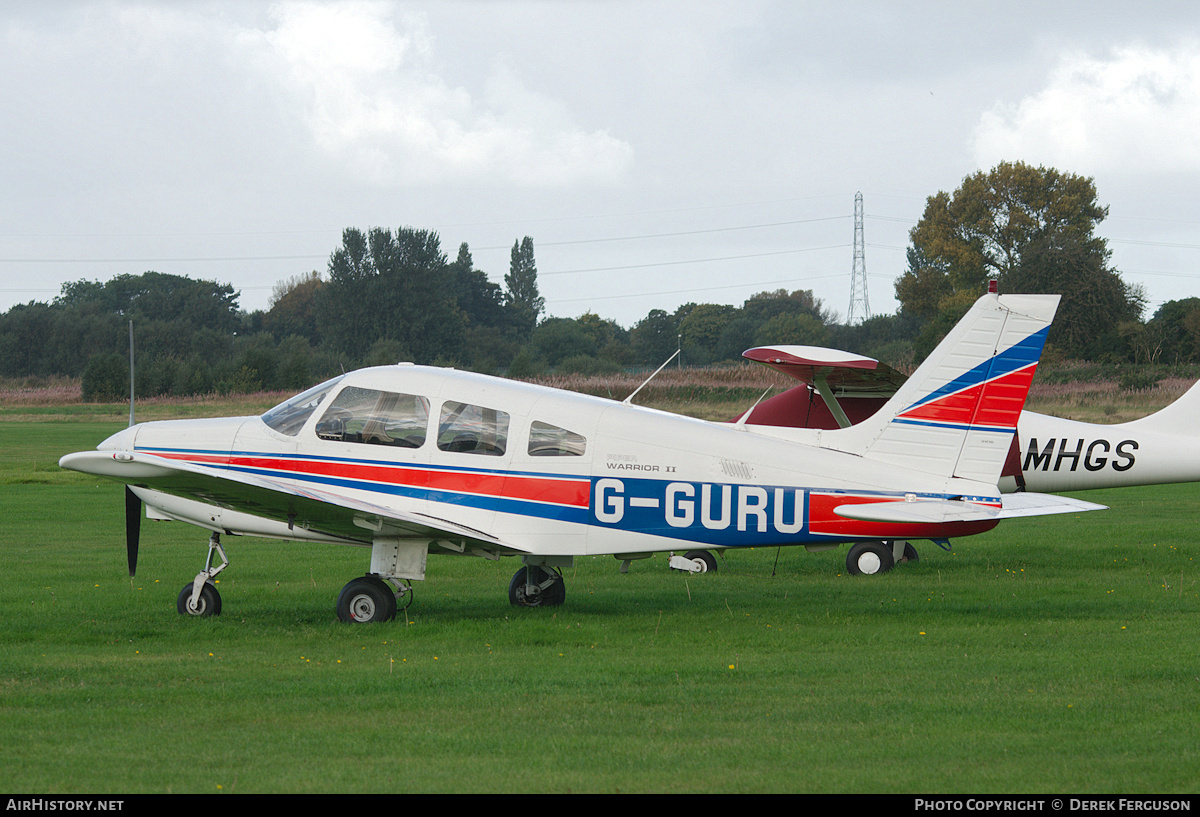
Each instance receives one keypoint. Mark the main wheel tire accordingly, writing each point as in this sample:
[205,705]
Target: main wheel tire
[704,557]
[209,603]
[869,558]
[910,553]
[366,600]
[520,594]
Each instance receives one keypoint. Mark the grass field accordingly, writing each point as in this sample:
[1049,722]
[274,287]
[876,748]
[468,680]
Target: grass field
[1051,655]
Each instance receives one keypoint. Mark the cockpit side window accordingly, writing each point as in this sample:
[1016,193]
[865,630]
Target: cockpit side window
[547,440]
[359,415]
[291,415]
[471,429]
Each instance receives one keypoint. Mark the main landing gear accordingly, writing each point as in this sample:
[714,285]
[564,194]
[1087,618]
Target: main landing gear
[371,598]
[868,558]
[694,561]
[537,586]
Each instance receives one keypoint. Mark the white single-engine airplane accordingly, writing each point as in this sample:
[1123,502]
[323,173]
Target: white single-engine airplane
[411,460]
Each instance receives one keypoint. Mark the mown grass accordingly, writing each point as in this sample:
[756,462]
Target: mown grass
[1051,655]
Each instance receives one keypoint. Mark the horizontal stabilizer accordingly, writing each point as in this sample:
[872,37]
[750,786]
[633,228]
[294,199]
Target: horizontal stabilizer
[938,511]
[919,511]
[1032,504]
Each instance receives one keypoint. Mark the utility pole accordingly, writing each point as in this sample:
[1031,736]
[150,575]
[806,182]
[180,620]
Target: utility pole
[859,310]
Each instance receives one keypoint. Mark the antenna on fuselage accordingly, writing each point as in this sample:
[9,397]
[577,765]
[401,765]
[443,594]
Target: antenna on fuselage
[651,377]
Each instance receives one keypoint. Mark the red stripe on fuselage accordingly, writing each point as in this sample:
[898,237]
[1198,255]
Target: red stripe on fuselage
[558,491]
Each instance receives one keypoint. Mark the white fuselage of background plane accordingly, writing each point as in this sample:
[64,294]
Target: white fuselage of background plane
[1068,455]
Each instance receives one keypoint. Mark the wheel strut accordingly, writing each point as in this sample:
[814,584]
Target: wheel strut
[193,605]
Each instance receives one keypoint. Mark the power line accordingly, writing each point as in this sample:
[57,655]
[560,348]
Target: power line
[741,285]
[542,274]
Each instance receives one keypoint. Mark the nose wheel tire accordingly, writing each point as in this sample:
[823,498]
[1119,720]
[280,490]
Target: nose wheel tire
[209,603]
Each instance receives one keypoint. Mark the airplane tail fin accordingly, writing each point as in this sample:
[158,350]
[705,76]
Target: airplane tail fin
[956,416]
[1178,418]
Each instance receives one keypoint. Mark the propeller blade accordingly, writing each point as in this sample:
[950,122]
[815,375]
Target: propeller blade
[133,528]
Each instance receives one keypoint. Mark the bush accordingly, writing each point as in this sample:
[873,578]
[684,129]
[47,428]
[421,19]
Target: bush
[105,378]
[588,365]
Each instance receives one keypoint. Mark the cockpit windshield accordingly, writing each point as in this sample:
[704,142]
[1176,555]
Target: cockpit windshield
[289,416]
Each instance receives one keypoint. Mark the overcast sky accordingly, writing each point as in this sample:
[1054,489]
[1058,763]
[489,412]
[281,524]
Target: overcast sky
[656,152]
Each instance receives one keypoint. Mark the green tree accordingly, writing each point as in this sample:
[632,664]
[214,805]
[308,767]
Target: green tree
[654,338]
[293,308]
[763,306]
[797,329]
[481,300]
[556,339]
[156,296]
[1173,331]
[105,378]
[701,329]
[522,300]
[611,340]
[1032,229]
[392,287]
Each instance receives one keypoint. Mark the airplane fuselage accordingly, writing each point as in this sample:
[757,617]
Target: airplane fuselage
[631,478]
[1067,455]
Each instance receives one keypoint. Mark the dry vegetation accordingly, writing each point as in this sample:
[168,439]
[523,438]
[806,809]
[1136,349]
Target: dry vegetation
[719,393]
[1104,401]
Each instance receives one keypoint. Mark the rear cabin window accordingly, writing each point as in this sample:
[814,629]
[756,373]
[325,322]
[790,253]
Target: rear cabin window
[547,440]
[469,429]
[375,417]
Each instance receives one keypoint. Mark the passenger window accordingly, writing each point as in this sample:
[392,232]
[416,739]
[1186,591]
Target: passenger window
[546,440]
[472,429]
[360,415]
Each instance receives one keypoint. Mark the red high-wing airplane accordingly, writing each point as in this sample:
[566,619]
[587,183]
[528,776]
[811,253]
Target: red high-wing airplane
[1052,454]
[412,460]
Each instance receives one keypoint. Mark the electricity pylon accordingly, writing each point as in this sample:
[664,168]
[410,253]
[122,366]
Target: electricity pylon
[859,310]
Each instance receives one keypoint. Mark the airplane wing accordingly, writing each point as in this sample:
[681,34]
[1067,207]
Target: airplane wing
[844,372]
[302,507]
[851,387]
[924,511]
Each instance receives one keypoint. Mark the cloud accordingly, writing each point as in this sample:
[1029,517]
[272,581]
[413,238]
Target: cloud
[373,99]
[1134,112]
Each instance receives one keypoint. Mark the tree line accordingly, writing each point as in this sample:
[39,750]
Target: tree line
[391,295]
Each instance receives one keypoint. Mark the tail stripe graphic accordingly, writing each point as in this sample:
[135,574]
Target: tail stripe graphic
[990,396]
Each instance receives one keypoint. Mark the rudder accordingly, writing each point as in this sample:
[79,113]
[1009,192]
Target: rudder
[956,416]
